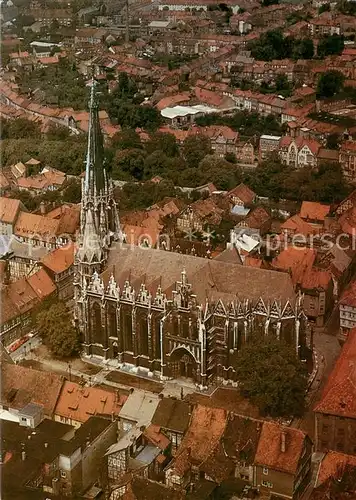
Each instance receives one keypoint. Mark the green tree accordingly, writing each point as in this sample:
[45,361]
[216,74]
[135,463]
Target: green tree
[72,191]
[126,139]
[57,132]
[272,377]
[195,148]
[128,164]
[57,331]
[219,171]
[166,143]
[283,85]
[333,141]
[21,128]
[330,83]
[330,45]
[324,8]
[306,49]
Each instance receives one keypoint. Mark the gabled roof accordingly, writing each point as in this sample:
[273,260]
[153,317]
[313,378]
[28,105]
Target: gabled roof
[339,395]
[209,278]
[172,414]
[314,211]
[20,386]
[332,466]
[204,433]
[269,451]
[9,209]
[298,226]
[60,259]
[32,225]
[244,193]
[348,298]
[41,284]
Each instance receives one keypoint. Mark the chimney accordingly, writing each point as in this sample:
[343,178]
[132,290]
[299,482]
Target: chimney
[42,208]
[23,455]
[161,395]
[283,442]
[46,445]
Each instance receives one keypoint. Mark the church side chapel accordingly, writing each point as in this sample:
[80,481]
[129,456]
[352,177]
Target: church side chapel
[173,315]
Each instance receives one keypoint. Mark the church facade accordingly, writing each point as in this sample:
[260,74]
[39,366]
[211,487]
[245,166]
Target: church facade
[169,314]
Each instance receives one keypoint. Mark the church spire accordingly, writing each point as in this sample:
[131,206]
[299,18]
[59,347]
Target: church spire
[95,179]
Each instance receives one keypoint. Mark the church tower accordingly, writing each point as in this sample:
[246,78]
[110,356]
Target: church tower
[99,220]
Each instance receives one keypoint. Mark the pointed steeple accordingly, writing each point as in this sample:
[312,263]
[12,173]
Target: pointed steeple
[95,178]
[91,248]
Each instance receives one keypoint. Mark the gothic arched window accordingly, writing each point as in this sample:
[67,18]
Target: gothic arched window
[127,331]
[143,338]
[97,329]
[112,321]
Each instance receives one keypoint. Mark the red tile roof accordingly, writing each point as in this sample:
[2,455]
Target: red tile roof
[339,396]
[298,226]
[41,284]
[348,298]
[244,193]
[269,451]
[31,225]
[205,431]
[60,259]
[20,386]
[314,211]
[333,465]
[80,403]
[9,209]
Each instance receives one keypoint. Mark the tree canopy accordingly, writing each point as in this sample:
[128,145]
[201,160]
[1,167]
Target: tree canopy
[272,377]
[330,45]
[275,180]
[274,45]
[125,106]
[330,83]
[57,331]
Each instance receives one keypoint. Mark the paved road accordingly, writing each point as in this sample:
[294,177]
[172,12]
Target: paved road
[23,351]
[328,349]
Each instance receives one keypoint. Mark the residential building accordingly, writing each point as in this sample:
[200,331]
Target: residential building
[21,386]
[203,436]
[22,259]
[47,16]
[172,416]
[59,265]
[19,299]
[92,36]
[138,409]
[333,466]
[299,152]
[200,214]
[77,403]
[242,195]
[245,153]
[140,450]
[283,461]
[53,460]
[268,144]
[335,413]
[314,213]
[347,310]
[36,230]
[223,139]
[314,282]
[9,212]
[347,158]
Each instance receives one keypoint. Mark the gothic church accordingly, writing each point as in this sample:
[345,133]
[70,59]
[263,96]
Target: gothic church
[170,314]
